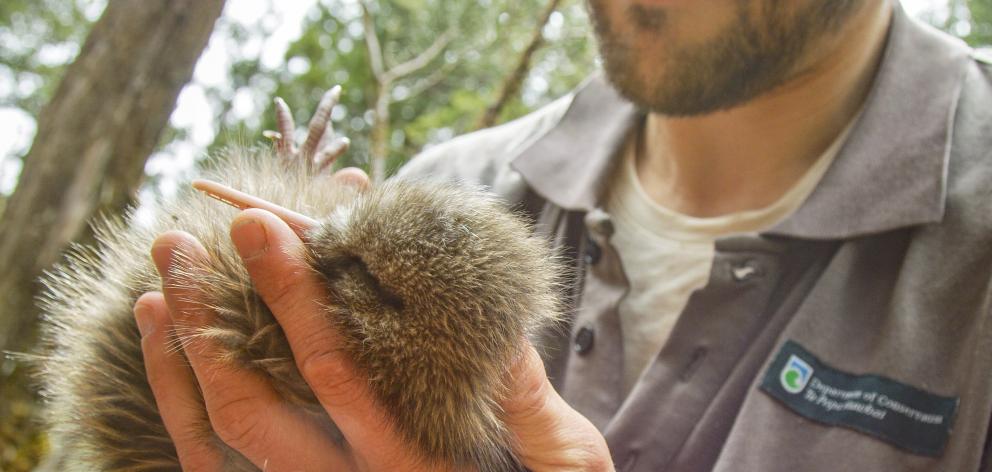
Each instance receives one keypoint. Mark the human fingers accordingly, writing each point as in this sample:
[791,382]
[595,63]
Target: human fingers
[551,435]
[244,410]
[174,387]
[274,257]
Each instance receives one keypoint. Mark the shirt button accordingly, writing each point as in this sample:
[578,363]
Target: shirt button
[593,252]
[604,227]
[584,340]
[599,222]
[745,271]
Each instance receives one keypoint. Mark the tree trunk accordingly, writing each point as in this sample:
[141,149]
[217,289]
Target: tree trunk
[88,156]
[511,85]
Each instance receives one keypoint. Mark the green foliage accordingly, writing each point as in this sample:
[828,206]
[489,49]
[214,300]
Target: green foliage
[970,20]
[39,37]
[445,98]
[980,24]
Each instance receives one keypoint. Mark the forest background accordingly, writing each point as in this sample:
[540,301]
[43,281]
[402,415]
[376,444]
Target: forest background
[145,91]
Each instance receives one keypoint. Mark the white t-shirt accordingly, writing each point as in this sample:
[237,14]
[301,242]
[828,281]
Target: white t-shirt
[667,255]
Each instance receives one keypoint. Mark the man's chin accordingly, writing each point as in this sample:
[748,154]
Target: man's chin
[655,96]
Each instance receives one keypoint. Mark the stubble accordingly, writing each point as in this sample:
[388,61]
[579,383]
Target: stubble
[759,51]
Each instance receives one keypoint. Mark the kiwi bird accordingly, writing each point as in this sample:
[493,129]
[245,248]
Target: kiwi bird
[433,288]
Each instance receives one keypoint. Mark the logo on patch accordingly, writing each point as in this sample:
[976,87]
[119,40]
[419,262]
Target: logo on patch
[795,375]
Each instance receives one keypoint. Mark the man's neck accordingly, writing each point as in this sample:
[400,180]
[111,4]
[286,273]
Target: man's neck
[747,157]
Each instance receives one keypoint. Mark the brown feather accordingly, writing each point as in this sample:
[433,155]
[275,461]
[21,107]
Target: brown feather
[433,287]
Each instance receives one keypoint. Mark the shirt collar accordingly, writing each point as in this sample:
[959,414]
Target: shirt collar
[571,163]
[890,173]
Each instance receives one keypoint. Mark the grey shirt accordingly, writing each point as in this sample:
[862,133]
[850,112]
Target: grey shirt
[853,335]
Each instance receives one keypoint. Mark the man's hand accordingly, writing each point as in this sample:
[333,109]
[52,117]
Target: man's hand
[552,435]
[249,416]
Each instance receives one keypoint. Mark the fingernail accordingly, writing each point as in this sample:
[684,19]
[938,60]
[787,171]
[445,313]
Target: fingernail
[143,315]
[249,237]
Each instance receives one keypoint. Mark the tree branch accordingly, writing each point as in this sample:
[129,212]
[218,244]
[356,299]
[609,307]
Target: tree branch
[372,43]
[427,82]
[425,57]
[513,81]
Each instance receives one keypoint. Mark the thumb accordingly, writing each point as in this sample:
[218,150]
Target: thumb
[530,391]
[550,434]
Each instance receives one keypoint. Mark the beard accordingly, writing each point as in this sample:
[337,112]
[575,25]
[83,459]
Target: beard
[753,55]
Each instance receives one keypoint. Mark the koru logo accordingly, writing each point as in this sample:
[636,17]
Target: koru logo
[795,375]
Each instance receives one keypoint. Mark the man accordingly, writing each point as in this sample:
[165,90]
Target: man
[779,211]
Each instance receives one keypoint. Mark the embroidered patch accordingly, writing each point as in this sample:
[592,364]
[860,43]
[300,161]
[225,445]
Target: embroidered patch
[907,417]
